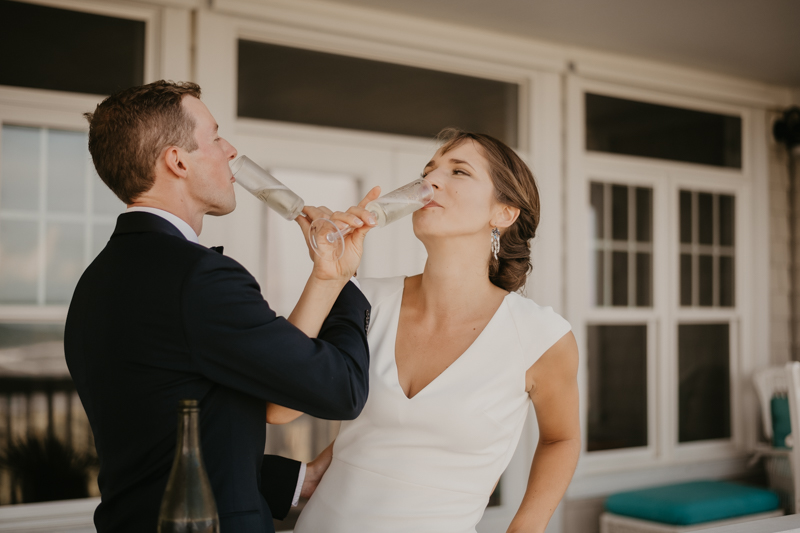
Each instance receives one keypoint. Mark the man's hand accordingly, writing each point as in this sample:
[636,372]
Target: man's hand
[314,471]
[357,218]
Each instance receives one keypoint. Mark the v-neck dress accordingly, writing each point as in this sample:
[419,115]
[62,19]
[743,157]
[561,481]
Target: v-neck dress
[428,464]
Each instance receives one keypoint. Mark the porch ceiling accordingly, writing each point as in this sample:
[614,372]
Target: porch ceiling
[755,39]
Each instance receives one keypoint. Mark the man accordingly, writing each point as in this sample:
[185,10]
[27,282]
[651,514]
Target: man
[157,318]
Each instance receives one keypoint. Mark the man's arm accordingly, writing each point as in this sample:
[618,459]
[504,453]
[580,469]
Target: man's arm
[238,341]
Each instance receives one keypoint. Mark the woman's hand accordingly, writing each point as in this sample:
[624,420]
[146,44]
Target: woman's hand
[356,217]
[315,470]
[278,414]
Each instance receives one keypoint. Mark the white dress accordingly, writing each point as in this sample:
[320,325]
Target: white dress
[428,464]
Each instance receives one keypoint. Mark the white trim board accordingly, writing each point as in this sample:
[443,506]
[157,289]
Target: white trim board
[415,34]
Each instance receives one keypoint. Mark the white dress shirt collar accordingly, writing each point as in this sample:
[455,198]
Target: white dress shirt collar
[178,222]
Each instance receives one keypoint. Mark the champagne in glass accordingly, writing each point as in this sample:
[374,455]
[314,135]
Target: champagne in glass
[401,202]
[327,239]
[267,188]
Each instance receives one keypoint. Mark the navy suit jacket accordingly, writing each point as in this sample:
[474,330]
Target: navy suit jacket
[156,319]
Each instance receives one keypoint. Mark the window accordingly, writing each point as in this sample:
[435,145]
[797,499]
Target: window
[621,217]
[618,387]
[55,214]
[294,85]
[655,279]
[704,411]
[619,126]
[65,50]
[707,249]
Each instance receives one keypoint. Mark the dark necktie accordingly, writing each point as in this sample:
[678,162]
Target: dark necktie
[217,249]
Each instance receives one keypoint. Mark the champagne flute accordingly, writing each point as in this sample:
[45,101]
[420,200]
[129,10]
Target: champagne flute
[267,188]
[327,240]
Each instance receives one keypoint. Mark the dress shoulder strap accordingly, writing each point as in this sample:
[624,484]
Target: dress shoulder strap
[538,327]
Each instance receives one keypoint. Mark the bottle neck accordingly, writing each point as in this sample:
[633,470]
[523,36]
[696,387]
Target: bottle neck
[189,431]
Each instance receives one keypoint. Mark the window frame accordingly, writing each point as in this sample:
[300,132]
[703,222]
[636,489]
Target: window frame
[666,178]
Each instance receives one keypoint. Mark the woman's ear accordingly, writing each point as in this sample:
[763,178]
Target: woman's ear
[174,160]
[504,216]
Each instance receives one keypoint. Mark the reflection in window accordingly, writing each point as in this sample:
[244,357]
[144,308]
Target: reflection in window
[620,126]
[622,219]
[704,411]
[308,87]
[65,50]
[617,387]
[38,401]
[706,249]
[55,214]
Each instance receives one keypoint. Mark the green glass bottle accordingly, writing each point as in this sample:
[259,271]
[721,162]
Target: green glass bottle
[188,504]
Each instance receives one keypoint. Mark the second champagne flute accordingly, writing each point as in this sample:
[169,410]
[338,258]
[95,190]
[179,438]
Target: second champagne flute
[267,188]
[327,239]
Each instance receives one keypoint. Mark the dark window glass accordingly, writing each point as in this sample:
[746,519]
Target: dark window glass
[704,383]
[705,218]
[598,217]
[48,48]
[37,400]
[619,275]
[686,217]
[629,127]
[619,213]
[706,283]
[644,286]
[686,279]
[726,279]
[617,387]
[726,228]
[644,209]
[295,85]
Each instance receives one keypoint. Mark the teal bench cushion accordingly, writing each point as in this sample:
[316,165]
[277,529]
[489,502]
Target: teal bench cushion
[781,423]
[693,503]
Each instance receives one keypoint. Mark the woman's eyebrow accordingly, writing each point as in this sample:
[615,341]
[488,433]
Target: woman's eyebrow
[461,162]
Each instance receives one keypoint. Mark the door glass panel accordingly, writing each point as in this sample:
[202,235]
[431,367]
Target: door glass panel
[704,382]
[706,281]
[64,251]
[621,126]
[619,274]
[597,211]
[617,387]
[68,159]
[619,212]
[20,162]
[726,280]
[644,210]
[686,216]
[726,227]
[19,261]
[644,285]
[686,279]
[705,219]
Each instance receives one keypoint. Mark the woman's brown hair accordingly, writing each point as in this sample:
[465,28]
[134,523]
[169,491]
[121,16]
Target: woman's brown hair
[515,186]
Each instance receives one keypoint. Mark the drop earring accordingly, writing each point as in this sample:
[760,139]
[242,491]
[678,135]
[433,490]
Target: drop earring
[495,241]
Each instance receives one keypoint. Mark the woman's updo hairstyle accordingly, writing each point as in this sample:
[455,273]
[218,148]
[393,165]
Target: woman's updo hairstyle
[515,186]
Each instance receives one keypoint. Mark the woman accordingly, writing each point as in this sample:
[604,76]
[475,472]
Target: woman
[456,357]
